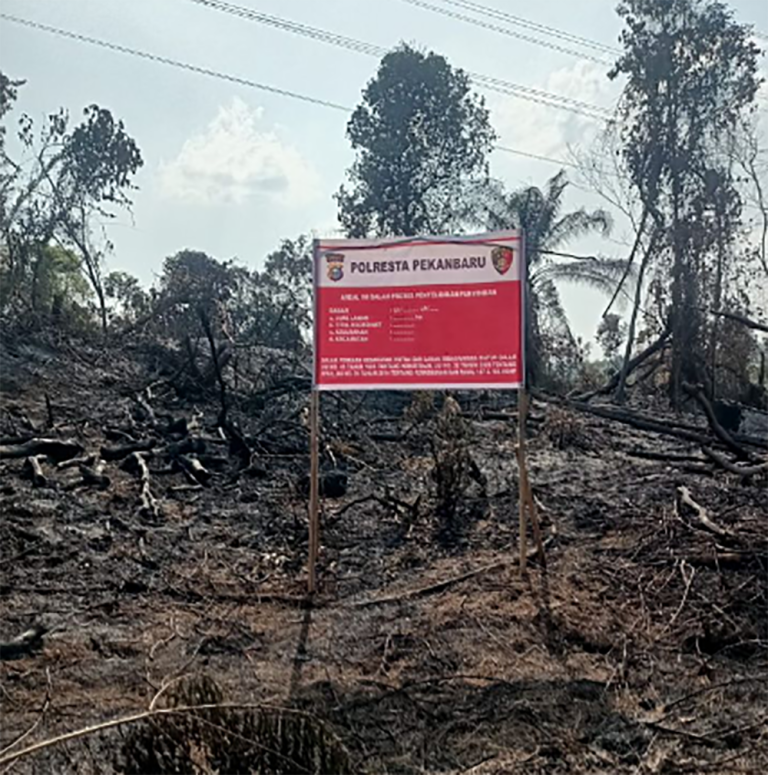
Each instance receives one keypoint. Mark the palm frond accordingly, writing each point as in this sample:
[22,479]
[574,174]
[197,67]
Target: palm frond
[550,312]
[603,274]
[577,224]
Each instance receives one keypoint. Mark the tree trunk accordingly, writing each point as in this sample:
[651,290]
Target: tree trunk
[718,294]
[621,388]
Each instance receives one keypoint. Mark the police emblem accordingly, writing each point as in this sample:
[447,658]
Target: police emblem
[502,259]
[335,266]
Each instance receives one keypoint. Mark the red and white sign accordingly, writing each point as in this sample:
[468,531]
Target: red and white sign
[443,312]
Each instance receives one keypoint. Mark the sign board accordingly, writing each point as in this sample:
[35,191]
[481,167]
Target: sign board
[419,313]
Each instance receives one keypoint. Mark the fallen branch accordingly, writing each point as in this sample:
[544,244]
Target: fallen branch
[196,471]
[33,470]
[701,512]
[638,360]
[696,392]
[23,645]
[674,457]
[55,449]
[18,439]
[136,463]
[688,581]
[85,460]
[149,412]
[674,428]
[628,418]
[95,476]
[431,589]
[39,720]
[132,719]
[728,465]
[387,501]
[123,450]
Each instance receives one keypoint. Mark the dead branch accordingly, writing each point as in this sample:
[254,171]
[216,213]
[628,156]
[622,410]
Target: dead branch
[188,446]
[33,470]
[55,449]
[688,581]
[743,319]
[149,412]
[674,457]
[665,427]
[85,460]
[217,365]
[432,589]
[18,439]
[24,644]
[728,465]
[195,469]
[628,418]
[123,450]
[94,476]
[118,434]
[136,463]
[49,410]
[41,716]
[133,718]
[701,513]
[697,393]
[388,501]
[638,360]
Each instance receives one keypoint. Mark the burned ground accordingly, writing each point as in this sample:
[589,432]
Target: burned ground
[641,647]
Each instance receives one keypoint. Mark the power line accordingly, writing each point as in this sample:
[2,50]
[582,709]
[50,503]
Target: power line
[536,156]
[495,13]
[230,78]
[173,62]
[514,90]
[485,10]
[486,82]
[506,31]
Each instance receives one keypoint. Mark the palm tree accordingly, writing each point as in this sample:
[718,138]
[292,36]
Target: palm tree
[547,230]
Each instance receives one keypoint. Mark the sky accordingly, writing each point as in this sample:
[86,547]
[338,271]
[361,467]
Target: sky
[232,170]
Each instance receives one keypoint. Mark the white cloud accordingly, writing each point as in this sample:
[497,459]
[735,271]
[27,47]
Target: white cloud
[234,159]
[546,131]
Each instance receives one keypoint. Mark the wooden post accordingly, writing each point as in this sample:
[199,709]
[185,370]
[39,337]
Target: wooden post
[314,489]
[525,495]
[522,413]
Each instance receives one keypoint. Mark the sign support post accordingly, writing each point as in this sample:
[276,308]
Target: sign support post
[525,495]
[314,488]
[522,416]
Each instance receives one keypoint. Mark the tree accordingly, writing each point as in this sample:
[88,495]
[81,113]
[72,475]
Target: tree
[611,333]
[131,301]
[8,94]
[287,284]
[53,285]
[269,308]
[54,192]
[421,137]
[547,228]
[691,75]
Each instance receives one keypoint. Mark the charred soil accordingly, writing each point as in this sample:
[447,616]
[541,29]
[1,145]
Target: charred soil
[161,537]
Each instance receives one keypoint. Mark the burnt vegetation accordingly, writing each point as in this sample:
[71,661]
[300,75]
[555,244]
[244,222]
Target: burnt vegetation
[154,461]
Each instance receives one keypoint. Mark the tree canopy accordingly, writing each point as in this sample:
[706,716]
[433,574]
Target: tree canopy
[421,138]
[691,79]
